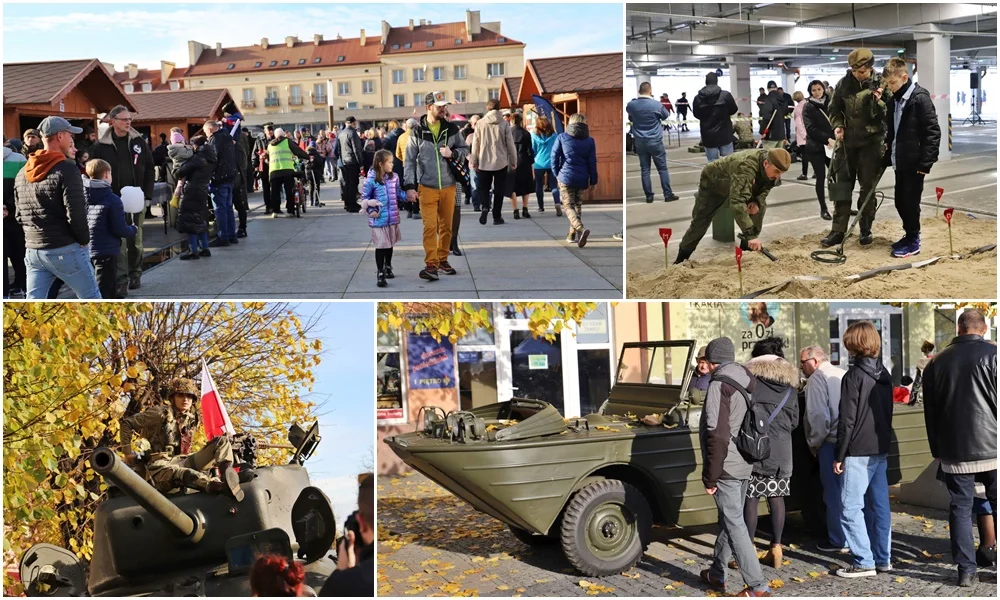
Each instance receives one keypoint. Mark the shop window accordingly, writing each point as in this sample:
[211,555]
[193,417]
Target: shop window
[537,368]
[594,367]
[477,378]
[390,402]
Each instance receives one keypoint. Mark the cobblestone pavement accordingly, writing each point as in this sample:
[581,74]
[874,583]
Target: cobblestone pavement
[433,544]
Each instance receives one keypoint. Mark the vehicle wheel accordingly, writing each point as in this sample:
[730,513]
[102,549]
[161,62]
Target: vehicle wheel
[532,539]
[606,528]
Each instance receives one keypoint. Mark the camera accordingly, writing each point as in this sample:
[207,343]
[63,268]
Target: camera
[351,524]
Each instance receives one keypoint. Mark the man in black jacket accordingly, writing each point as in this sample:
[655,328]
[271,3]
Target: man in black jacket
[912,140]
[260,164]
[960,410]
[50,204]
[355,574]
[772,118]
[160,159]
[223,182]
[789,107]
[682,106]
[131,165]
[352,155]
[714,108]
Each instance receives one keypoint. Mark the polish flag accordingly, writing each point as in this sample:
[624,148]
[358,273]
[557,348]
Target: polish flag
[212,409]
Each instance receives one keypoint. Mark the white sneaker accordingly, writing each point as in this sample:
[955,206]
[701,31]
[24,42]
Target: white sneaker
[853,571]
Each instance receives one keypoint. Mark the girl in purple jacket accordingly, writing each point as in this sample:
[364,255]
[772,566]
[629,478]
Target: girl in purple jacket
[380,198]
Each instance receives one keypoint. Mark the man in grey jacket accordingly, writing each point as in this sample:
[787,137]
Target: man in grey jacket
[352,155]
[493,157]
[725,473]
[822,414]
[427,174]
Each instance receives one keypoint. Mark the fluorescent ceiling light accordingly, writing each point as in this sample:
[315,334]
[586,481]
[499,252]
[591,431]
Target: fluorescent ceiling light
[774,22]
[685,42]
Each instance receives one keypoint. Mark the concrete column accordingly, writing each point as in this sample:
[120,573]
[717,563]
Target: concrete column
[739,87]
[639,80]
[788,83]
[934,69]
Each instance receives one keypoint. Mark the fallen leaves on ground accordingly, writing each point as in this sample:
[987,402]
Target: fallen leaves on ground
[594,589]
[776,584]
[797,579]
[899,579]
[814,574]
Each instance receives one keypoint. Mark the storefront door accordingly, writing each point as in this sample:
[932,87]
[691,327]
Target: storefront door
[888,320]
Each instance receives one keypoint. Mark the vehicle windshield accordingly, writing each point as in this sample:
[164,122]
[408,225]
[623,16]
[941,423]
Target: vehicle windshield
[655,365]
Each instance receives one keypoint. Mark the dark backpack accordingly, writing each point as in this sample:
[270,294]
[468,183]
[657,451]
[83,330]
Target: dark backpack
[751,440]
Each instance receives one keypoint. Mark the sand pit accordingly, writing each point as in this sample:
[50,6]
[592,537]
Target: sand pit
[713,275]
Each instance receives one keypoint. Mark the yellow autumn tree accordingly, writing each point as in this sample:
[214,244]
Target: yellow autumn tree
[73,370]
[455,319]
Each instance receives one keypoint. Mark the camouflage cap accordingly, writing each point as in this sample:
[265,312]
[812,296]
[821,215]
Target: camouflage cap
[183,385]
[780,158]
[860,57]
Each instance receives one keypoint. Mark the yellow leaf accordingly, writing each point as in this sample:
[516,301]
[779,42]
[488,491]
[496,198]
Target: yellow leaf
[131,352]
[689,561]
[899,580]
[668,587]
[777,584]
[797,579]
[584,583]
[503,588]
[813,574]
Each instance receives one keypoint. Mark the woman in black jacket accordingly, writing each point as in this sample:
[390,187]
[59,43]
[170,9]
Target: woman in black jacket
[524,179]
[864,434]
[819,134]
[777,392]
[197,174]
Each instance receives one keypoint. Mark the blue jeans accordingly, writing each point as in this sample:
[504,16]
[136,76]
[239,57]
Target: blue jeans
[831,494]
[195,238]
[540,187]
[70,263]
[225,218]
[474,185]
[866,516]
[653,149]
[713,154]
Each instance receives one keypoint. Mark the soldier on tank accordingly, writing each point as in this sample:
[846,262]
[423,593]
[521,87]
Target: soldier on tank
[857,114]
[743,179]
[169,429]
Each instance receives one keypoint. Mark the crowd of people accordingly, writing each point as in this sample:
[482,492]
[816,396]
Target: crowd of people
[863,125]
[209,176]
[847,423]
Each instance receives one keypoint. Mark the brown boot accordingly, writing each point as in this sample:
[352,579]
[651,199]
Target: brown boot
[773,556]
[231,480]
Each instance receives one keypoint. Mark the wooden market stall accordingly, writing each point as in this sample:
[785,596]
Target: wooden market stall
[158,112]
[77,90]
[591,84]
[508,92]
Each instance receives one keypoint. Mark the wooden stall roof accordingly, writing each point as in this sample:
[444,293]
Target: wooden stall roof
[571,75]
[179,104]
[50,82]
[508,91]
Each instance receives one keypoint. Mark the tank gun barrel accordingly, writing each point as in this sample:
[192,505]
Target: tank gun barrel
[106,463]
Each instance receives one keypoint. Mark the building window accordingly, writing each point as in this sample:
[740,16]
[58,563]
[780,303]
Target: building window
[395,46]
[397,76]
[501,39]
[390,383]
[147,87]
[230,66]
[459,71]
[295,95]
[284,63]
[458,41]
[302,61]
[319,92]
[368,86]
[407,45]
[343,88]
[494,93]
[494,69]
[341,58]
[461,96]
[430,43]
[398,100]
[175,85]
[438,73]
[274,63]
[247,94]
[129,88]
[257,64]
[352,105]
[418,75]
[417,99]
[271,98]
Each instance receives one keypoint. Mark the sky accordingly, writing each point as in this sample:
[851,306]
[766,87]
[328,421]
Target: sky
[345,391]
[144,34]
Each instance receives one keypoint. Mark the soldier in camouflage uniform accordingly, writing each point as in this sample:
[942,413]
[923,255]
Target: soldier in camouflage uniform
[743,179]
[169,429]
[857,113]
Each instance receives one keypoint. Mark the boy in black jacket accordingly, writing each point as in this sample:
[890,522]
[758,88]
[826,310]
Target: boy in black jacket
[911,148]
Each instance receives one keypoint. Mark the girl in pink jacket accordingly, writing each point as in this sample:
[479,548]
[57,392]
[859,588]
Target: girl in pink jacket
[800,131]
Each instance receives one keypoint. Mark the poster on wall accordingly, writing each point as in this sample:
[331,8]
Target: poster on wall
[745,324]
[430,363]
[389,391]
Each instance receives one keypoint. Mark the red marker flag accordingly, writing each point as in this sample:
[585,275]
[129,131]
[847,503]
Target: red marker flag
[948,212]
[939,192]
[213,411]
[739,258]
[665,233]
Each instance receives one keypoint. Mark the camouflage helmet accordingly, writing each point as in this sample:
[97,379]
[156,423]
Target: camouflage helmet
[860,57]
[182,385]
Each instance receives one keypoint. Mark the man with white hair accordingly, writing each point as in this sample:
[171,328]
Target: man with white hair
[223,182]
[822,415]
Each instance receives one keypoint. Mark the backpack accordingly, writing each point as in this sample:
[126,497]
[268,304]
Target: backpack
[752,440]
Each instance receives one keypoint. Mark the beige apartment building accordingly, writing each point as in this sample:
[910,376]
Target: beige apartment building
[372,77]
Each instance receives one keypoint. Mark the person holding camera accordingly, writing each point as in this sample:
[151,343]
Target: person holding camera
[355,574]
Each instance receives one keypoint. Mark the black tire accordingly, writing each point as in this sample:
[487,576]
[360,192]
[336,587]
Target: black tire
[606,528]
[532,539]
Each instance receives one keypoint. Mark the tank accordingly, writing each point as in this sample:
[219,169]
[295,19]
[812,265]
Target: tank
[597,484]
[200,544]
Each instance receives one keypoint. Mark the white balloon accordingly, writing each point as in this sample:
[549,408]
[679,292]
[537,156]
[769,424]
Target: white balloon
[133,200]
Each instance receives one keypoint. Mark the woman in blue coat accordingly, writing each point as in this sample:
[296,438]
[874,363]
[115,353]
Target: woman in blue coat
[574,161]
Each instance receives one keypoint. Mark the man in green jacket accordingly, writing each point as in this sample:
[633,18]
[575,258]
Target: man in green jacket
[857,113]
[743,179]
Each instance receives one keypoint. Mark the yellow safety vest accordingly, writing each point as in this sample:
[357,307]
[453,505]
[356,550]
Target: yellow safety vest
[280,157]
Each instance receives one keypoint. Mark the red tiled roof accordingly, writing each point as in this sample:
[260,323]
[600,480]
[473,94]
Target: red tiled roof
[178,104]
[244,57]
[584,73]
[49,82]
[151,76]
[443,35]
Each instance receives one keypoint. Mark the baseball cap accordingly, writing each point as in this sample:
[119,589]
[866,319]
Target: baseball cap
[53,125]
[435,98]
[701,352]
[33,132]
